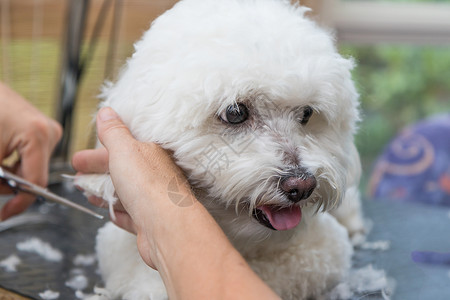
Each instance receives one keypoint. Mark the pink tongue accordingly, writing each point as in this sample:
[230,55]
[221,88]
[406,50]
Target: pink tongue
[284,218]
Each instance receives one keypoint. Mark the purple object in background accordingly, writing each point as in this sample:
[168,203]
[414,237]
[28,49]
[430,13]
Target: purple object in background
[430,257]
[415,166]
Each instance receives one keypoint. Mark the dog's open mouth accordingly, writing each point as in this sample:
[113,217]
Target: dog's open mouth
[278,218]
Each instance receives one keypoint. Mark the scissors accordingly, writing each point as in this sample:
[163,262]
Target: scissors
[19,184]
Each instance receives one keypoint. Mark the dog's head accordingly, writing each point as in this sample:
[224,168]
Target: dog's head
[254,101]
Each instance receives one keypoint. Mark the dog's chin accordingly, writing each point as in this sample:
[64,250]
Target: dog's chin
[278,218]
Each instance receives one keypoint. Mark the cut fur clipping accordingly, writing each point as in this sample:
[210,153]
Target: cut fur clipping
[49,295]
[43,249]
[10,263]
[363,281]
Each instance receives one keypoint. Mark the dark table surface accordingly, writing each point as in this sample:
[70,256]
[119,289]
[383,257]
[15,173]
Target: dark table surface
[68,230]
[407,228]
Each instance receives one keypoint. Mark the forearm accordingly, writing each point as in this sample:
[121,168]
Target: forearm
[190,250]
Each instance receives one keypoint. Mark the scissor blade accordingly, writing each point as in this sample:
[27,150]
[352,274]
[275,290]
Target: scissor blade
[55,198]
[26,186]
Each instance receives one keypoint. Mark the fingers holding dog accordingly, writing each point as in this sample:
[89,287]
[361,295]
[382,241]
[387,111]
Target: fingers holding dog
[91,161]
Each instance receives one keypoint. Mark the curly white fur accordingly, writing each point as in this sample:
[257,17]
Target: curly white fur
[196,60]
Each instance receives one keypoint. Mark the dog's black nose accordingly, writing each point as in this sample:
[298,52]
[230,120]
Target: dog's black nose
[298,187]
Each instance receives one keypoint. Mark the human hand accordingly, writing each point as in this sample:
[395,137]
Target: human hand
[96,161]
[139,171]
[23,128]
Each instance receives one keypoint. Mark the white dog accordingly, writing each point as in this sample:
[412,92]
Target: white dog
[259,110]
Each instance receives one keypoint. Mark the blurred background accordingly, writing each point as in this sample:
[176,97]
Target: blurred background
[402,49]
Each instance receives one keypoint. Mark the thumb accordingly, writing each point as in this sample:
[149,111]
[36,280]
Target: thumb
[111,131]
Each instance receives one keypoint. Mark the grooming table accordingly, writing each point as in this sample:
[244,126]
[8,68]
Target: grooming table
[68,230]
[406,227]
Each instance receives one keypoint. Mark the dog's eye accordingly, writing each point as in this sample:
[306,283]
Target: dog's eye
[307,113]
[235,114]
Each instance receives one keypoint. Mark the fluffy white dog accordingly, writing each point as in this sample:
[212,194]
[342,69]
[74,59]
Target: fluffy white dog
[259,111]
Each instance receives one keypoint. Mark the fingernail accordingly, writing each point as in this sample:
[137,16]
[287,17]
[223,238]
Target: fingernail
[107,113]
